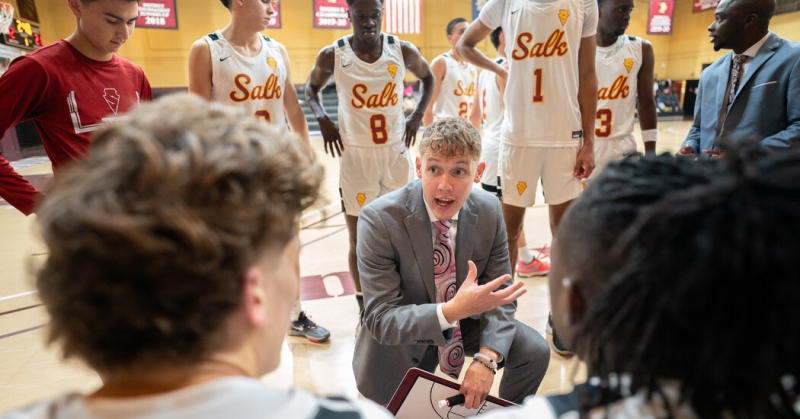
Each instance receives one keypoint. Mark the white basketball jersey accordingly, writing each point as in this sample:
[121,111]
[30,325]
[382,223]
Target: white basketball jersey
[617,73]
[543,40]
[255,83]
[370,105]
[491,103]
[457,91]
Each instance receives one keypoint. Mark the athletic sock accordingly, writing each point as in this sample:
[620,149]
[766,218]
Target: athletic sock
[524,254]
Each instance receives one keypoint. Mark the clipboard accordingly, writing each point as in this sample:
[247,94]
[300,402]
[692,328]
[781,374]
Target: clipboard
[419,393]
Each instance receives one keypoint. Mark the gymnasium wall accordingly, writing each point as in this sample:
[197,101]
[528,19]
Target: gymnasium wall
[163,53]
[682,55]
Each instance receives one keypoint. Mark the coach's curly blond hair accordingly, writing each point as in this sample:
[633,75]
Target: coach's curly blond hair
[150,235]
[451,138]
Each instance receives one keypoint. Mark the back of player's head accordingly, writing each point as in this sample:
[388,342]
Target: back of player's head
[451,138]
[706,294]
[351,2]
[453,23]
[495,37]
[226,3]
[595,221]
[150,235]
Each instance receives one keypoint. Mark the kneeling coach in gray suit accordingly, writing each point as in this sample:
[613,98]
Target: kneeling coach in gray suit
[435,273]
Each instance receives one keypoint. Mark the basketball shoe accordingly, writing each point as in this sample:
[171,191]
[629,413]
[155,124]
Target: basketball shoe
[540,265]
[558,347]
[304,326]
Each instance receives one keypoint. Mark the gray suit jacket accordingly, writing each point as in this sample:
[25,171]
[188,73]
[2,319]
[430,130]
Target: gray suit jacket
[766,108]
[395,260]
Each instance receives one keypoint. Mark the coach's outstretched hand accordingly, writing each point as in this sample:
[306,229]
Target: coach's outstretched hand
[472,298]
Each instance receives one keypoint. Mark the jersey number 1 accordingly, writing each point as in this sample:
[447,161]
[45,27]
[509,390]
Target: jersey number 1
[377,123]
[538,97]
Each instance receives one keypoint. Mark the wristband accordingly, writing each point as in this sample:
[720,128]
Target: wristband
[650,135]
[478,360]
[488,359]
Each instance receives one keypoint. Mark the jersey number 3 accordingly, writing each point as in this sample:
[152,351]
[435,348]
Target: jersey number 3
[377,123]
[604,119]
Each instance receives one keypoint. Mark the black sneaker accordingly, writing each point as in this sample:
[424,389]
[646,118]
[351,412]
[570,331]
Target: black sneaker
[303,326]
[558,347]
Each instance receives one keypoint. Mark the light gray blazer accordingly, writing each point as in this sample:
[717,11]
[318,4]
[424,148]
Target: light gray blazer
[766,108]
[395,260]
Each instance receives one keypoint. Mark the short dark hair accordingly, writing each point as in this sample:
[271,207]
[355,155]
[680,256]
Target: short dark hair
[226,3]
[453,23]
[150,235]
[495,37]
[350,2]
[597,219]
[698,272]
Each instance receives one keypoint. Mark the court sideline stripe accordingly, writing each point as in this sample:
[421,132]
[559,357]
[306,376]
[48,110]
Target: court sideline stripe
[22,294]
[20,309]
[19,332]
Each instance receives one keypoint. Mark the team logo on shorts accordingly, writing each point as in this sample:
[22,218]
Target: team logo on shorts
[521,186]
[272,63]
[628,64]
[361,198]
[393,69]
[563,15]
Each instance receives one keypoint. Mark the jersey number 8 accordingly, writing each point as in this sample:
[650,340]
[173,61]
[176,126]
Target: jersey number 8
[377,123]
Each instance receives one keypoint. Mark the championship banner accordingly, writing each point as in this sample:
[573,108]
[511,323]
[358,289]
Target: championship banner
[275,21]
[659,21]
[703,5]
[331,14]
[157,14]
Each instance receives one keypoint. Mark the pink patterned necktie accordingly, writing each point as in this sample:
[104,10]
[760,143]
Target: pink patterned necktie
[736,74]
[451,357]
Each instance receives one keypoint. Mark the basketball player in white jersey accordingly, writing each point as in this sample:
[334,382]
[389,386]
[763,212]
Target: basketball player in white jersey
[548,125]
[487,116]
[548,130]
[624,72]
[369,68]
[239,66]
[455,79]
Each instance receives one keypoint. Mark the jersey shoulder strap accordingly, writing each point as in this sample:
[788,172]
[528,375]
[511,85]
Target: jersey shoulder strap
[213,36]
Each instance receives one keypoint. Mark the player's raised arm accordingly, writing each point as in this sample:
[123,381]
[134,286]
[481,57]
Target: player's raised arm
[476,111]
[200,72]
[317,80]
[291,103]
[476,32]
[648,120]
[439,69]
[420,69]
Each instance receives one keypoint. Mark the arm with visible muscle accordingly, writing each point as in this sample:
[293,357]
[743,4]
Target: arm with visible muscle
[420,69]
[317,80]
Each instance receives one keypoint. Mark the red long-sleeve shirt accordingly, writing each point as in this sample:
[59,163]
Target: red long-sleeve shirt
[68,96]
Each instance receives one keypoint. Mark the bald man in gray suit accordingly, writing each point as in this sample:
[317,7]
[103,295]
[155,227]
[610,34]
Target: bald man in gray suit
[752,95]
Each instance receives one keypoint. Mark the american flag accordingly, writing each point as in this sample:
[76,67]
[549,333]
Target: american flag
[402,16]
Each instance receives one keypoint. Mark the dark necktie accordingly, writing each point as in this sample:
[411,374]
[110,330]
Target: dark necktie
[451,357]
[736,75]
